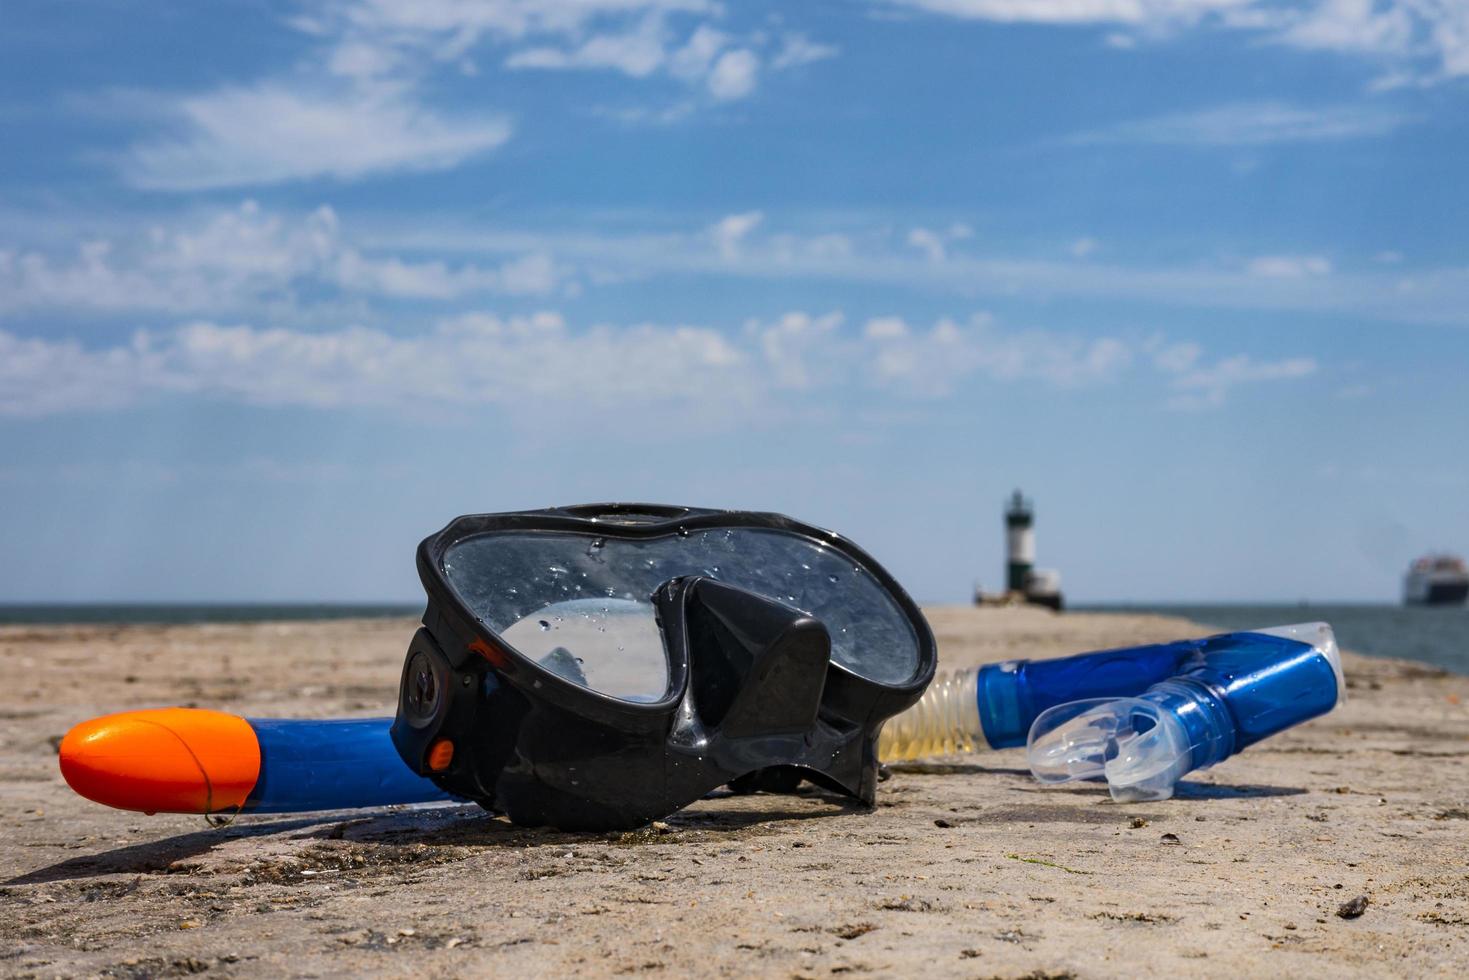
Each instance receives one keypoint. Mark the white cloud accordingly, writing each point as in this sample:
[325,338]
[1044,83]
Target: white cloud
[1289,266]
[734,74]
[533,274]
[874,253]
[929,243]
[1209,386]
[797,49]
[245,257]
[637,53]
[1252,124]
[450,26]
[273,132]
[1421,41]
[932,363]
[359,60]
[265,266]
[1176,358]
[885,328]
[1196,382]
[1361,26]
[470,359]
[935,244]
[359,106]
[1127,12]
[43,377]
[789,346]
[1082,247]
[693,61]
[725,66]
[539,362]
[728,232]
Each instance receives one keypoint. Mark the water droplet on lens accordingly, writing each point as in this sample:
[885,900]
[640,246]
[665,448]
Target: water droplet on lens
[545,626]
[596,545]
[832,579]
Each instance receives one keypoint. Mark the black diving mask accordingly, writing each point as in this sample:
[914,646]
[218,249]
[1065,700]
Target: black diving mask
[600,666]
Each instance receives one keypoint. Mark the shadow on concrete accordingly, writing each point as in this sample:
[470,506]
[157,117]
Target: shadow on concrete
[445,826]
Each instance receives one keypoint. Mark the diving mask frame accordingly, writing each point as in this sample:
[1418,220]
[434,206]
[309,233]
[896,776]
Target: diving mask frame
[754,696]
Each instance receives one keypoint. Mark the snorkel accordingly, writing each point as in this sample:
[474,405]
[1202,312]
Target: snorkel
[190,760]
[1244,687]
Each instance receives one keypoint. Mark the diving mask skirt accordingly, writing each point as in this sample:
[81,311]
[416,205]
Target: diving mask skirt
[598,667]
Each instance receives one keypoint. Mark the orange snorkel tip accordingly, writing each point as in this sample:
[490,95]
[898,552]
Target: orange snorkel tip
[164,760]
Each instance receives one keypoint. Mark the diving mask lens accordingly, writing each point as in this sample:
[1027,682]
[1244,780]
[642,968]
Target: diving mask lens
[516,579]
[612,646]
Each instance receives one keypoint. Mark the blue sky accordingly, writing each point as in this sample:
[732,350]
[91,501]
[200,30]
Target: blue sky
[286,286]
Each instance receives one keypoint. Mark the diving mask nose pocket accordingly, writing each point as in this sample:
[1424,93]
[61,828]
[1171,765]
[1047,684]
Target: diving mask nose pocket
[756,666]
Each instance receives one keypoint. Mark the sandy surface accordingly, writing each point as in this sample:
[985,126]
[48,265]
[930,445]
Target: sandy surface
[965,868]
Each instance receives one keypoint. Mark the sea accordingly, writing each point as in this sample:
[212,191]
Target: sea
[1434,635]
[175,614]
[1437,635]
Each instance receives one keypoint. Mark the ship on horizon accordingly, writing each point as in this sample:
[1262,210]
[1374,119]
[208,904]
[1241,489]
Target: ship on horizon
[1436,580]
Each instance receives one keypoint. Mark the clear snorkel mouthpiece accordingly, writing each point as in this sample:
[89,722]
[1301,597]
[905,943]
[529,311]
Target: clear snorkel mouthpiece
[1138,746]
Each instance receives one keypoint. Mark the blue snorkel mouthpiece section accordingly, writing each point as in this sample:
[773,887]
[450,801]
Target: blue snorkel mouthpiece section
[1243,687]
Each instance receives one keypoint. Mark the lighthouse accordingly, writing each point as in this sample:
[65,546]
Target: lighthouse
[1023,581]
[1019,543]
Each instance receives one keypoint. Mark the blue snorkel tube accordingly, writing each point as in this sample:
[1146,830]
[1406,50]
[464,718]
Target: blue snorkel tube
[994,706]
